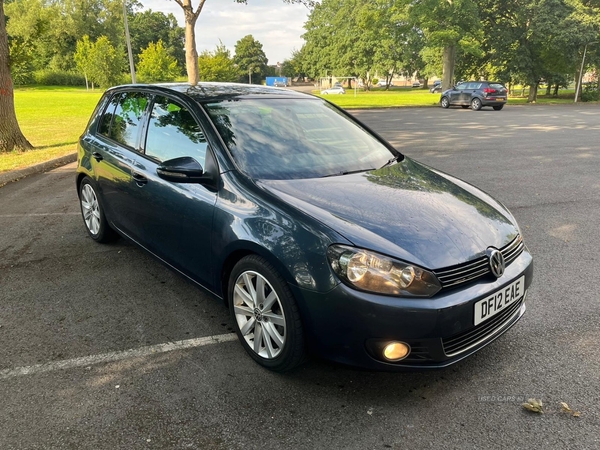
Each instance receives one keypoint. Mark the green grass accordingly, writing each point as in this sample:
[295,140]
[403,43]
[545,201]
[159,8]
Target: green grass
[52,119]
[383,99]
[402,97]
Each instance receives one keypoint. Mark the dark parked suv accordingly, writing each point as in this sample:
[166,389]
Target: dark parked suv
[475,94]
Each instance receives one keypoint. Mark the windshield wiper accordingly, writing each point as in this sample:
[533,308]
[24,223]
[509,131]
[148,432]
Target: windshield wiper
[398,157]
[346,172]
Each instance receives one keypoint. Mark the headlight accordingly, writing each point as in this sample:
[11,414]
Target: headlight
[370,271]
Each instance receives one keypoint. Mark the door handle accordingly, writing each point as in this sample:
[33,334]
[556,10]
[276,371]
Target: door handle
[97,156]
[140,180]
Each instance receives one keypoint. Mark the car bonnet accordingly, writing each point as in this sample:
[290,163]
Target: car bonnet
[406,211]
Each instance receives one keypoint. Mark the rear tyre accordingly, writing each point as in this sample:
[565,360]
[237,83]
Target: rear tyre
[93,213]
[475,104]
[265,315]
[498,108]
[445,102]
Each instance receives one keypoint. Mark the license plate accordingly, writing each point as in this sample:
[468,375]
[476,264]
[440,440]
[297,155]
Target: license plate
[499,301]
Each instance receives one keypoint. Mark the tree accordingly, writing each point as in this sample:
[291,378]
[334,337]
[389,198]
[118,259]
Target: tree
[11,137]
[342,37]
[191,16]
[250,57]
[446,24]
[105,63]
[538,39]
[83,57]
[217,65]
[156,64]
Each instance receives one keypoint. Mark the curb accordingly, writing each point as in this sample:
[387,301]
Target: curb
[14,175]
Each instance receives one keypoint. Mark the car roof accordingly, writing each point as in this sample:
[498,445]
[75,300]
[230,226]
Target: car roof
[205,91]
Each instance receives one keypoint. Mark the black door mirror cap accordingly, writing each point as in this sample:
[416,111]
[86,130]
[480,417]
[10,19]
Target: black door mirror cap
[184,169]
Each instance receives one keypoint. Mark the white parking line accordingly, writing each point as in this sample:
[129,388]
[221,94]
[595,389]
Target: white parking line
[116,356]
[41,214]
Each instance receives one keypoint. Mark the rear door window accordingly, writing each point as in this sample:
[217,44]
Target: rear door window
[122,118]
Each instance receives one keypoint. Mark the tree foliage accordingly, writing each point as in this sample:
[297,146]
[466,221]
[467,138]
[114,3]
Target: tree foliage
[147,27]
[217,65]
[514,41]
[250,58]
[43,34]
[156,64]
[99,61]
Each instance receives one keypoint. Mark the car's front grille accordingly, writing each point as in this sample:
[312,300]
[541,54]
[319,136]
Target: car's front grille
[463,273]
[467,339]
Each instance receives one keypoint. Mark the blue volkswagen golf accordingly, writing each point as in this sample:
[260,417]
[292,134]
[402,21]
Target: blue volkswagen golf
[320,237]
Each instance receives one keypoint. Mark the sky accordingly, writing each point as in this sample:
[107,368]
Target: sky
[275,24]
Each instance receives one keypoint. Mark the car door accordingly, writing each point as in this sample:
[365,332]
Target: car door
[456,93]
[467,93]
[173,220]
[113,150]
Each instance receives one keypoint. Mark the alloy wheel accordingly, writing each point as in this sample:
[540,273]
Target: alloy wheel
[259,314]
[90,208]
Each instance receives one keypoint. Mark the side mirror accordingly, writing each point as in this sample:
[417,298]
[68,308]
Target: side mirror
[182,170]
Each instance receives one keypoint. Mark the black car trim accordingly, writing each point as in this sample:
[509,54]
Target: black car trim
[477,335]
[460,274]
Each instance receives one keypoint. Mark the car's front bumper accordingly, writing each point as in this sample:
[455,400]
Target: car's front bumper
[351,327]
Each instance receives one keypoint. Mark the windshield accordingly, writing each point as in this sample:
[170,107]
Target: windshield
[294,138]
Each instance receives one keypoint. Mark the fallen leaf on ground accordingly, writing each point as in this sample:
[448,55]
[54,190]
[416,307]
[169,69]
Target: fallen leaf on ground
[568,410]
[534,405]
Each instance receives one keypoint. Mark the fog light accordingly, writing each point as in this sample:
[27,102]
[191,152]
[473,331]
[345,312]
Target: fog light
[395,351]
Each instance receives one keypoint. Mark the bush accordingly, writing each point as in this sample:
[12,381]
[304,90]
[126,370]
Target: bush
[58,78]
[590,93]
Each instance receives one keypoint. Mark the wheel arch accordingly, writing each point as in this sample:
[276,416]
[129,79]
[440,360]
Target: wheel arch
[241,250]
[79,179]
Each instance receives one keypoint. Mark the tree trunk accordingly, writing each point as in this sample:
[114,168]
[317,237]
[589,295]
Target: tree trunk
[191,54]
[448,68]
[11,137]
[532,98]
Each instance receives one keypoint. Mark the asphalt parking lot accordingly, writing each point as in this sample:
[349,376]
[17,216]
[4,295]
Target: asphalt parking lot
[102,347]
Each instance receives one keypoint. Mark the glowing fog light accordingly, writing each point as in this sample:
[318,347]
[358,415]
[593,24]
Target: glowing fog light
[395,351]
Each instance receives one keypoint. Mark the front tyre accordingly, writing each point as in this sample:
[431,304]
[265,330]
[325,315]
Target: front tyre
[445,102]
[265,315]
[93,215]
[476,104]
